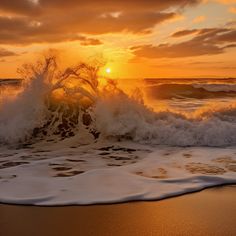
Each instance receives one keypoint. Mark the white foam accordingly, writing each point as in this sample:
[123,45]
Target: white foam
[21,114]
[162,173]
[124,117]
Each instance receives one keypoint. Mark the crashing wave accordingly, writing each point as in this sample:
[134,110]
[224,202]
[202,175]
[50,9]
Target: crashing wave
[59,104]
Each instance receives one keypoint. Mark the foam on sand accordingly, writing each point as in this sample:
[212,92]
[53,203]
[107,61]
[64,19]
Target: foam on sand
[110,172]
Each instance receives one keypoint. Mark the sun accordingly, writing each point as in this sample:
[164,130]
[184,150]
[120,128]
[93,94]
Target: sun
[108,70]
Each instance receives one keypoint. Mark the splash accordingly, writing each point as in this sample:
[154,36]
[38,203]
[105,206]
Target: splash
[62,104]
[126,119]
[46,121]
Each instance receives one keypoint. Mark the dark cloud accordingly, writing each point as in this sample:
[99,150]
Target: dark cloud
[28,7]
[22,30]
[19,30]
[229,37]
[6,53]
[22,7]
[89,41]
[59,20]
[207,31]
[187,49]
[184,33]
[207,42]
[105,23]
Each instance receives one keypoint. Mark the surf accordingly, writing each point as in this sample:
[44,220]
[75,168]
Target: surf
[72,137]
[61,104]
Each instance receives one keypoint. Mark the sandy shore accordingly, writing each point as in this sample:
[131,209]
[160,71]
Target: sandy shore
[209,212]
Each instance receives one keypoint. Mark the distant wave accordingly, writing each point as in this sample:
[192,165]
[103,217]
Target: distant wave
[199,91]
[156,81]
[13,82]
[217,87]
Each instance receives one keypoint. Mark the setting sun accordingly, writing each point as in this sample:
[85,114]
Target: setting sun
[105,102]
[108,70]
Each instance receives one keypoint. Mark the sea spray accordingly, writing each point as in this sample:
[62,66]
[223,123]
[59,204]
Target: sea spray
[50,99]
[59,104]
[125,118]
[94,143]
[19,116]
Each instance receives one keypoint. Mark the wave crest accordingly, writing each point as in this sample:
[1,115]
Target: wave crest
[60,104]
[197,91]
[125,118]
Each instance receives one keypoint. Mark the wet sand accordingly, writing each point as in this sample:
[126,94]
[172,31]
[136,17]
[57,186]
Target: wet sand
[209,212]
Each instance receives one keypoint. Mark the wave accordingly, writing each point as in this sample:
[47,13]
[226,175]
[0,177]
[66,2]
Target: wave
[70,103]
[197,91]
[217,87]
[135,122]
[10,82]
[157,81]
[59,111]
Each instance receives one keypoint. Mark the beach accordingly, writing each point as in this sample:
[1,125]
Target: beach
[209,212]
[117,118]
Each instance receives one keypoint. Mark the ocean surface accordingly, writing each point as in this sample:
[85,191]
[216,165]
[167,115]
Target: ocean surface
[140,139]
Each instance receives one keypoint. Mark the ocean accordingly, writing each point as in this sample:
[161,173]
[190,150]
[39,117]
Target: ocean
[139,139]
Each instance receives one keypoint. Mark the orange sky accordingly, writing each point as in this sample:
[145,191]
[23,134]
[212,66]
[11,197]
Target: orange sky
[152,38]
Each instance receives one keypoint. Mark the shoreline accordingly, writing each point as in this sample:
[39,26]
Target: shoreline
[233,185]
[207,212]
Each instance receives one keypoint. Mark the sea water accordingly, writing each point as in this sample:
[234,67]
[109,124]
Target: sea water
[149,139]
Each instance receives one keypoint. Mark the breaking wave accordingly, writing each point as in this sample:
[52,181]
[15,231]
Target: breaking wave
[63,104]
[198,91]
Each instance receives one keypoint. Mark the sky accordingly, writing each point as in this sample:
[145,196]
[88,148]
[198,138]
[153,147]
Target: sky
[136,38]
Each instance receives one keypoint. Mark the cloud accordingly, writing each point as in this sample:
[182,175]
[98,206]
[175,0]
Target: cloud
[29,21]
[27,7]
[182,33]
[89,41]
[216,36]
[226,38]
[187,49]
[209,32]
[6,53]
[19,30]
[130,22]
[209,41]
[22,7]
